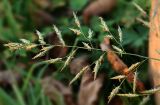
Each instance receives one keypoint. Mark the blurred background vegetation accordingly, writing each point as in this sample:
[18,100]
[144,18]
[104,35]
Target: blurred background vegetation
[21,18]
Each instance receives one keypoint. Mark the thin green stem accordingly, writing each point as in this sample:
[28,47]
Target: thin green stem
[124,53]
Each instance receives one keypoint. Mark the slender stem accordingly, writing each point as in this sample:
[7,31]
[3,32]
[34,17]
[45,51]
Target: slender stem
[124,53]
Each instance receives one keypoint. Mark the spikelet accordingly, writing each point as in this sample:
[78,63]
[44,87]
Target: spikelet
[58,32]
[120,34]
[143,22]
[139,8]
[79,74]
[87,46]
[151,91]
[69,59]
[90,34]
[130,95]
[47,48]
[104,25]
[134,82]
[97,66]
[25,41]
[40,38]
[76,20]
[109,36]
[43,52]
[119,77]
[14,46]
[30,46]
[133,67]
[113,93]
[52,61]
[144,100]
[117,49]
[77,32]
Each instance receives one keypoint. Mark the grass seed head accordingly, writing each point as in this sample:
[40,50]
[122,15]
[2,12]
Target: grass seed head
[120,34]
[79,74]
[52,61]
[97,66]
[130,95]
[58,32]
[87,46]
[113,93]
[76,20]
[77,32]
[119,77]
[104,25]
[40,38]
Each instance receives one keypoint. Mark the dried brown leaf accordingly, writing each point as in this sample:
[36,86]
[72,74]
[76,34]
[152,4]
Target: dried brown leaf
[98,7]
[57,92]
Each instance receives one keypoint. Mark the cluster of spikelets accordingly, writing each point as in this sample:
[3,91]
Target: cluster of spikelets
[26,44]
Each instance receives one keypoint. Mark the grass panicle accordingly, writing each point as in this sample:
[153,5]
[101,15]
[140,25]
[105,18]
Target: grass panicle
[104,25]
[79,74]
[130,95]
[25,41]
[113,93]
[120,34]
[40,38]
[69,58]
[97,65]
[90,34]
[76,20]
[134,82]
[52,61]
[87,46]
[58,32]
[119,77]
[44,50]
[76,31]
[133,67]
[151,91]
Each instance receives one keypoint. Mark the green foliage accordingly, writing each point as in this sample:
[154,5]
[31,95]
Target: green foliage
[16,24]
[78,5]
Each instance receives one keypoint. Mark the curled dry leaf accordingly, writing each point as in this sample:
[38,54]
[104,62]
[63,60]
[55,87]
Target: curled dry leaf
[90,89]
[98,7]
[78,63]
[9,77]
[118,65]
[57,92]
[41,18]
